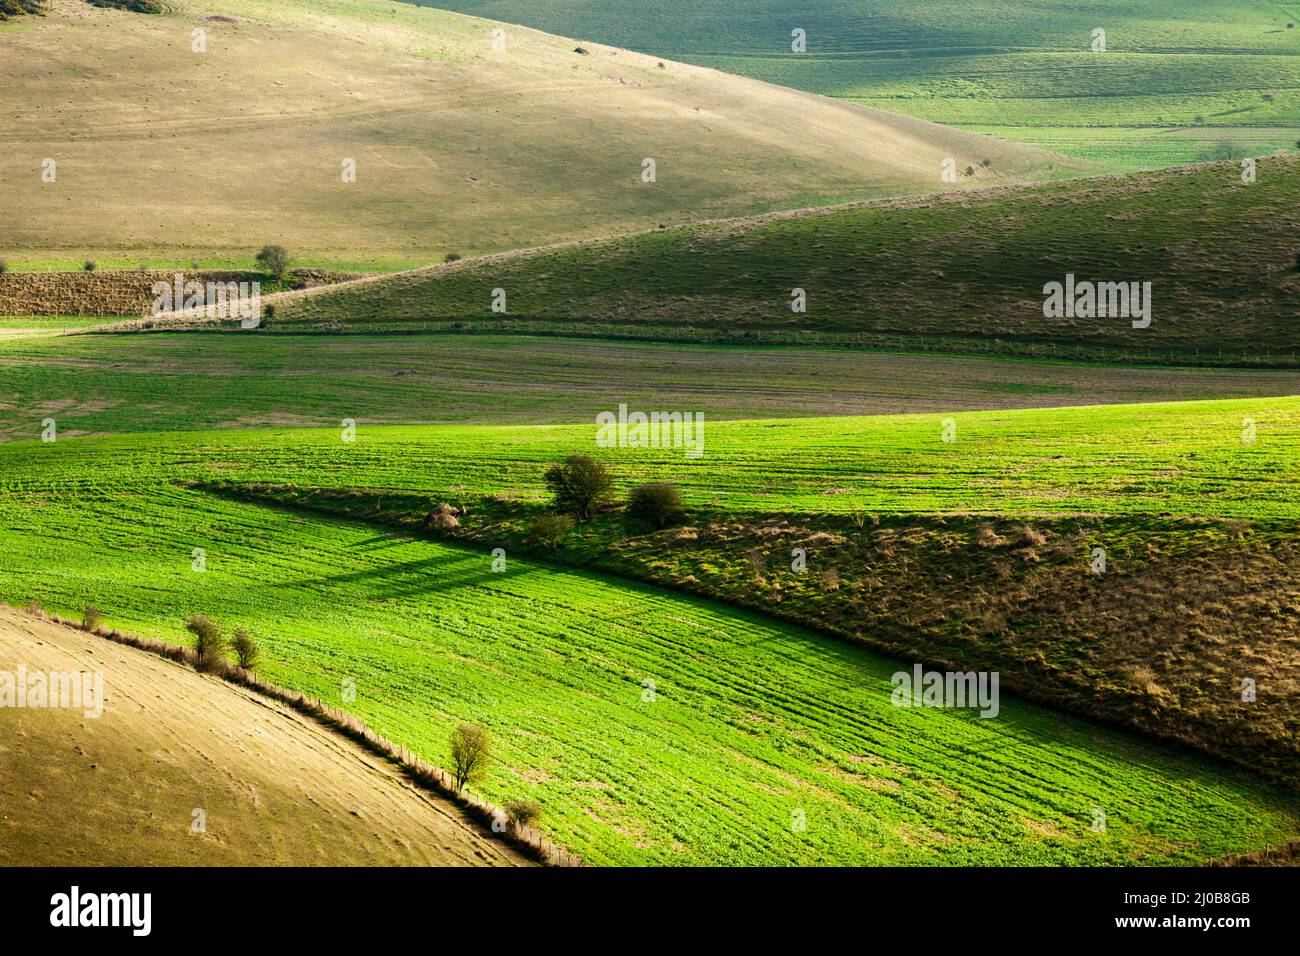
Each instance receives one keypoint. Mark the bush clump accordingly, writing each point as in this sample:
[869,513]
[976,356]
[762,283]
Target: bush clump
[135,6]
[442,518]
[580,485]
[17,8]
[91,617]
[89,265]
[246,650]
[209,642]
[274,260]
[549,529]
[655,505]
[522,812]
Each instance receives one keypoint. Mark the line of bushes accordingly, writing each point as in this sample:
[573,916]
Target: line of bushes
[513,823]
[583,487]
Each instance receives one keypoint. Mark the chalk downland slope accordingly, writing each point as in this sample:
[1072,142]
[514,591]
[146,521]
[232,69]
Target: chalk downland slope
[276,788]
[165,154]
[1179,81]
[964,271]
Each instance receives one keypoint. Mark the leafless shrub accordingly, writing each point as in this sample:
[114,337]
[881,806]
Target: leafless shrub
[246,650]
[580,484]
[209,642]
[471,750]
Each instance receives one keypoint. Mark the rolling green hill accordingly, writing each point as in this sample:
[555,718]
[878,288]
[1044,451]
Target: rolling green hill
[1180,81]
[1194,502]
[750,726]
[163,155]
[960,272]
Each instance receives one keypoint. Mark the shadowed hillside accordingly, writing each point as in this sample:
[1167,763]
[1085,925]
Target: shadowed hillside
[965,272]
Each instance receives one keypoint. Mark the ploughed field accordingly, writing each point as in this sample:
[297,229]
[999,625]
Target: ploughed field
[274,787]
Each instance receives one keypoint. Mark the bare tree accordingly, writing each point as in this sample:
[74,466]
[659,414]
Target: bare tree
[471,749]
[246,649]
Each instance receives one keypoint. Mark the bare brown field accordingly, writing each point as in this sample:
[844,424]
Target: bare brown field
[276,787]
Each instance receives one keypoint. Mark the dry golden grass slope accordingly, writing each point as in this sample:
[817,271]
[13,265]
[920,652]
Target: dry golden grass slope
[167,155]
[277,788]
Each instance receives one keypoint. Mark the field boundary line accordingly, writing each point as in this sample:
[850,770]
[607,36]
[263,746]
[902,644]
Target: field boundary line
[422,775]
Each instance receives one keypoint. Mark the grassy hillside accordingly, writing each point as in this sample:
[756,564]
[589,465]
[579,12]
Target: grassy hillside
[133,383]
[752,725]
[967,272]
[1159,640]
[276,789]
[1180,81]
[1181,497]
[458,147]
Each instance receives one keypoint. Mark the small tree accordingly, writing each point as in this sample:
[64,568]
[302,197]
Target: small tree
[656,505]
[549,529]
[522,812]
[579,484]
[275,260]
[209,643]
[451,257]
[471,749]
[91,617]
[89,265]
[246,649]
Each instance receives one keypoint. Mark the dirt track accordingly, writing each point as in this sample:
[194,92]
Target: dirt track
[277,788]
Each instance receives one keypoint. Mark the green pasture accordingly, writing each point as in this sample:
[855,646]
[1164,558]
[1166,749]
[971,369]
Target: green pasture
[761,743]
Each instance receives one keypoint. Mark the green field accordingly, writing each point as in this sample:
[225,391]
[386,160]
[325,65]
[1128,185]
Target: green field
[1179,82]
[920,466]
[752,720]
[132,383]
[964,272]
